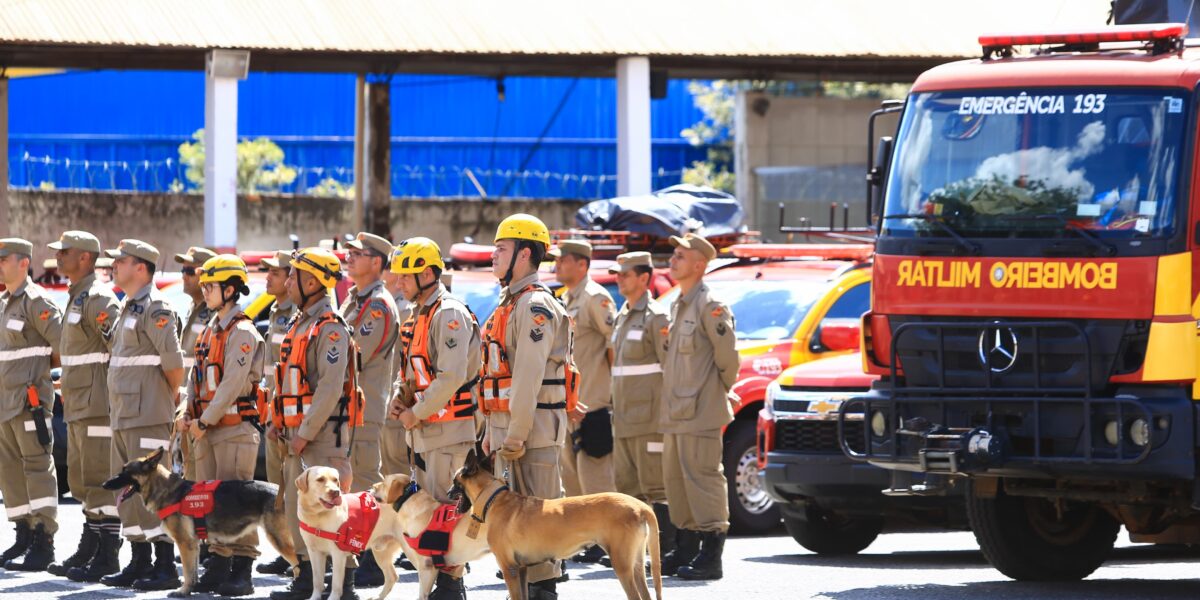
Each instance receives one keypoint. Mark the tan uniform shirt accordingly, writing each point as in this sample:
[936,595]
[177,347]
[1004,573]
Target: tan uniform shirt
[538,339]
[639,344]
[196,322]
[454,358]
[592,314]
[86,338]
[403,311]
[282,313]
[32,332]
[371,314]
[329,355]
[145,346]
[241,370]
[701,364]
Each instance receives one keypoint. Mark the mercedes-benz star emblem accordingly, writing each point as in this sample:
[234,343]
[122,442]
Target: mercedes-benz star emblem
[998,348]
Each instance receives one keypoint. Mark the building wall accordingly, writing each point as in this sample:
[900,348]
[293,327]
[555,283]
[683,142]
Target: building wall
[173,222]
[803,132]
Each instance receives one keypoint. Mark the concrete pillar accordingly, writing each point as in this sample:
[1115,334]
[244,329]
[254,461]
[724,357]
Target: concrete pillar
[223,70]
[751,144]
[378,185]
[360,131]
[5,230]
[633,126]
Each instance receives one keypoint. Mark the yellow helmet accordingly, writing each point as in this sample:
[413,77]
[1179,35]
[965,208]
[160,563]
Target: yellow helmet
[222,268]
[523,227]
[319,263]
[415,254]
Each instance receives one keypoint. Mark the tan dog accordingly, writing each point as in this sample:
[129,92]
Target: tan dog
[523,531]
[321,506]
[414,515]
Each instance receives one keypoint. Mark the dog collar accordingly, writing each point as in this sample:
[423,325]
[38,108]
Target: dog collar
[409,492]
[486,505]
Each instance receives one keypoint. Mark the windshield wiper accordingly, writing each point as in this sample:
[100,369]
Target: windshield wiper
[940,222]
[1104,247]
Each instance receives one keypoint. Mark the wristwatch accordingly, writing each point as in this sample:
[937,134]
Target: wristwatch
[202,425]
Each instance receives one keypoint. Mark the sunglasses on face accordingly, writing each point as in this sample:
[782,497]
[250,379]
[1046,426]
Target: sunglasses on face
[189,271]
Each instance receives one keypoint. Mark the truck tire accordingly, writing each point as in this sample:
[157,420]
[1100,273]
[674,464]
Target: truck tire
[751,510]
[828,534]
[1025,539]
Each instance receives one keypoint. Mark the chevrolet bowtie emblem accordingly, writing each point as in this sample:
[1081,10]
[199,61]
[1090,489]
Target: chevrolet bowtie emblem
[998,348]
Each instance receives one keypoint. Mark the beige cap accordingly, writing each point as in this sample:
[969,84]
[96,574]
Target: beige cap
[195,256]
[281,260]
[50,263]
[576,247]
[630,260]
[15,246]
[136,249]
[104,262]
[370,241]
[76,239]
[692,241]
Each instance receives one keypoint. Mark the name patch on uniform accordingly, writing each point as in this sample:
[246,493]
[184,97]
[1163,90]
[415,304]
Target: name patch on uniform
[196,327]
[73,317]
[635,335]
[130,323]
[277,338]
[15,324]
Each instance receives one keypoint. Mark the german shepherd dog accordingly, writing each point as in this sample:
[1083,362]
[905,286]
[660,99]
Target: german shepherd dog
[523,531]
[238,507]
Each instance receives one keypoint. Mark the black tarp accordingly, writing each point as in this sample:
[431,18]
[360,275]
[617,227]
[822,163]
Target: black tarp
[671,211]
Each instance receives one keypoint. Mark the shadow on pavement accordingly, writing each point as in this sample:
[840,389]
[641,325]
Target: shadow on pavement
[1135,555]
[1080,590]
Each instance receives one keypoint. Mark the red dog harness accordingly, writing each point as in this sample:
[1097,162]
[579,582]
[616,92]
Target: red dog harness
[434,542]
[196,503]
[354,534]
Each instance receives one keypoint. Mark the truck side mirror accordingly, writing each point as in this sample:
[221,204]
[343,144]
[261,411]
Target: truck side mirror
[838,335]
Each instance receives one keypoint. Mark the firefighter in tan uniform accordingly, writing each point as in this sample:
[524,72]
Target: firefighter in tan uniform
[28,346]
[639,347]
[280,318]
[440,356]
[700,367]
[196,321]
[222,411]
[92,309]
[526,374]
[316,403]
[145,374]
[393,444]
[587,461]
[371,314]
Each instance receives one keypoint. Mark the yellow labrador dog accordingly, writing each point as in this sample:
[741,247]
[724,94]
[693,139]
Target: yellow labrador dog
[414,512]
[338,525]
[523,530]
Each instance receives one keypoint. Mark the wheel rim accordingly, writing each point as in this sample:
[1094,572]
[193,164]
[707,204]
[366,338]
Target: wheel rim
[750,491]
[1074,526]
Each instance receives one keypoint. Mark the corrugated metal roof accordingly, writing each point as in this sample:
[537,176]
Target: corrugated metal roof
[700,28]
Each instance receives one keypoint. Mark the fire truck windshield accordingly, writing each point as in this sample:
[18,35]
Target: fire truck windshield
[1036,162]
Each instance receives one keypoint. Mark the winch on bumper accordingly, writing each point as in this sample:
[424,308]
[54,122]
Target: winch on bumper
[1149,436]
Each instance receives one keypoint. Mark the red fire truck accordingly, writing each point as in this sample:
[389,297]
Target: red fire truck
[1034,315]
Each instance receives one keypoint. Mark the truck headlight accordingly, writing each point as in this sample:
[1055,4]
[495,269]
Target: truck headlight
[769,400]
[878,424]
[1139,432]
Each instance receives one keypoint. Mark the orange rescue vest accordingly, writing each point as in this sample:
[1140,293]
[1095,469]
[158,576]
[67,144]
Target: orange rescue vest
[294,392]
[414,339]
[495,379]
[208,372]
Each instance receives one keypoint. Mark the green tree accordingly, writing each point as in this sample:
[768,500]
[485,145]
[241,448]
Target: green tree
[260,166]
[717,99]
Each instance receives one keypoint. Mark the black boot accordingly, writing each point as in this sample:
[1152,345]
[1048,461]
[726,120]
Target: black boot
[666,529]
[687,546]
[103,562]
[707,564]
[301,586]
[279,566]
[368,574]
[405,564]
[239,583]
[164,575]
[215,573]
[590,555]
[543,590]
[448,587]
[347,587]
[40,553]
[88,543]
[20,545]
[139,566]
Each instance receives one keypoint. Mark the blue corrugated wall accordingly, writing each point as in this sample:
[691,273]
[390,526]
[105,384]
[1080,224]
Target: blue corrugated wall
[121,130]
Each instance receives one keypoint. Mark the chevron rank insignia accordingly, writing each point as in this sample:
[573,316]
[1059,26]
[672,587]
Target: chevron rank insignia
[536,335]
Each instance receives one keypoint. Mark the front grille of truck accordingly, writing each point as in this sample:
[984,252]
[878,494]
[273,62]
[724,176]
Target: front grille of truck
[815,437]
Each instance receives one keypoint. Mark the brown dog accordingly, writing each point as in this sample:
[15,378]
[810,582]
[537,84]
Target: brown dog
[523,531]
[321,506]
[416,510]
